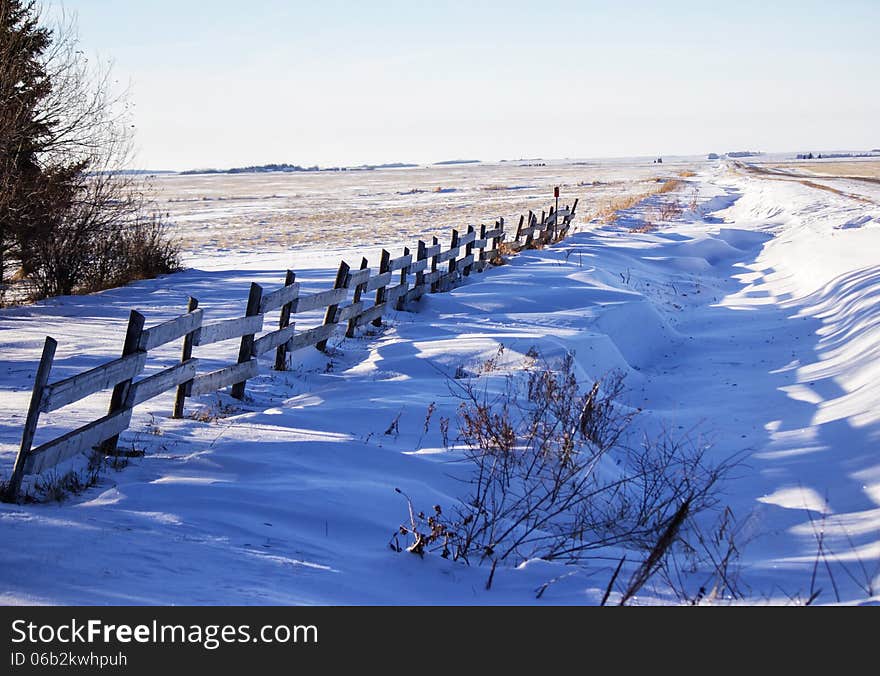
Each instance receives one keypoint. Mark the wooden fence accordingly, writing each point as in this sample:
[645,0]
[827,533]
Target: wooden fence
[358,297]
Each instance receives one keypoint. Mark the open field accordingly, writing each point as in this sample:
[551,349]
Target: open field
[219,213]
[859,188]
[844,169]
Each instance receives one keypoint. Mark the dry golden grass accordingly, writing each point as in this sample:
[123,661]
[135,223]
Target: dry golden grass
[687,173]
[841,193]
[505,249]
[670,210]
[609,212]
[669,186]
[666,210]
[646,227]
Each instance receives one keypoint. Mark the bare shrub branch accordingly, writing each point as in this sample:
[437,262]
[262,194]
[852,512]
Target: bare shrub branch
[551,475]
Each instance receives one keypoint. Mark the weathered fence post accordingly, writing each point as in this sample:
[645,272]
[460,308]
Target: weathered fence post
[33,416]
[496,242]
[186,354]
[283,323]
[384,266]
[533,222]
[468,250]
[358,291]
[404,274]
[420,256]
[482,256]
[519,228]
[330,315]
[245,351]
[569,219]
[453,263]
[120,390]
[435,285]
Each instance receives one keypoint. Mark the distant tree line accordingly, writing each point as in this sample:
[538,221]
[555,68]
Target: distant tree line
[253,169]
[71,218]
[284,167]
[829,156]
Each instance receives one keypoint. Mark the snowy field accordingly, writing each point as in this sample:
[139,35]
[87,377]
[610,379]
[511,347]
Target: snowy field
[217,214]
[749,323]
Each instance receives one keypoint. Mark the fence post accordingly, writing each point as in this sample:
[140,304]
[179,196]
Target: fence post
[33,416]
[453,263]
[246,350]
[533,221]
[496,242]
[120,391]
[283,323]
[436,283]
[570,218]
[519,228]
[185,355]
[384,266]
[482,257]
[420,255]
[358,290]
[330,315]
[468,250]
[404,273]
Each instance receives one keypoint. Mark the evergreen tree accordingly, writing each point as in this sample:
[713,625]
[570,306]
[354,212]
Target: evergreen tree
[33,192]
[23,84]
[70,218]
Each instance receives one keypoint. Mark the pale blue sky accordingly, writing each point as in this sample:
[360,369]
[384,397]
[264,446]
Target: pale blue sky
[228,83]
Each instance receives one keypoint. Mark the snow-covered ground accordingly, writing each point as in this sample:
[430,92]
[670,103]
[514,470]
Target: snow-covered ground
[751,322]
